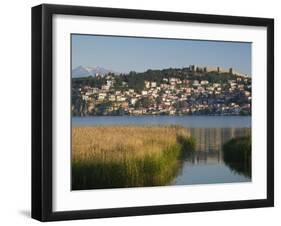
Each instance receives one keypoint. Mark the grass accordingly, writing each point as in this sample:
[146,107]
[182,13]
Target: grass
[238,155]
[127,156]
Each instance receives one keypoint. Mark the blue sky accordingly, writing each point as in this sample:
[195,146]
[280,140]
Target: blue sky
[124,54]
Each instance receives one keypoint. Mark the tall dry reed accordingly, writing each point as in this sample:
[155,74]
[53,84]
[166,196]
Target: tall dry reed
[126,156]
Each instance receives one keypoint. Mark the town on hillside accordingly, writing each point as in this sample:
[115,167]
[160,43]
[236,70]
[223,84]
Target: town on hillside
[191,90]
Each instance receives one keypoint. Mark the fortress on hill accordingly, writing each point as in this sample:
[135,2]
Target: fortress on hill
[196,68]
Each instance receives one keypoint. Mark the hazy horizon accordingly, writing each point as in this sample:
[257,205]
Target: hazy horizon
[125,54]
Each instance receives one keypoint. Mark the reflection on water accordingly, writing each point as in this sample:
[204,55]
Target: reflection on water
[206,164]
[209,142]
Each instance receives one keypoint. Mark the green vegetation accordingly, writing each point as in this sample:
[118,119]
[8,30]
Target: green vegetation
[135,80]
[238,155]
[186,144]
[127,156]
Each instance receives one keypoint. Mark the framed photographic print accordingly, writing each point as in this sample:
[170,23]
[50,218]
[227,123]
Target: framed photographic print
[145,112]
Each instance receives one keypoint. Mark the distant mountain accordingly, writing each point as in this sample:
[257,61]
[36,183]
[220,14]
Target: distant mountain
[81,71]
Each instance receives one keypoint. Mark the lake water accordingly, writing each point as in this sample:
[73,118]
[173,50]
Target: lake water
[186,121]
[206,164]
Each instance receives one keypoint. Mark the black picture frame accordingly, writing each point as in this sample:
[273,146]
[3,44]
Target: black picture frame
[42,111]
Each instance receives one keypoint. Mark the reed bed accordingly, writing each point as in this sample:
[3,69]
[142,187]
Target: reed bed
[127,156]
[237,154]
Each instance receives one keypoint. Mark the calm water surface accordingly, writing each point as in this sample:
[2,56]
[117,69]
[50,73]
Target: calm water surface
[186,121]
[206,165]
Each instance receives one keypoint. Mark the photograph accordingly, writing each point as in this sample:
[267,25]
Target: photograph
[149,111]
[141,112]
